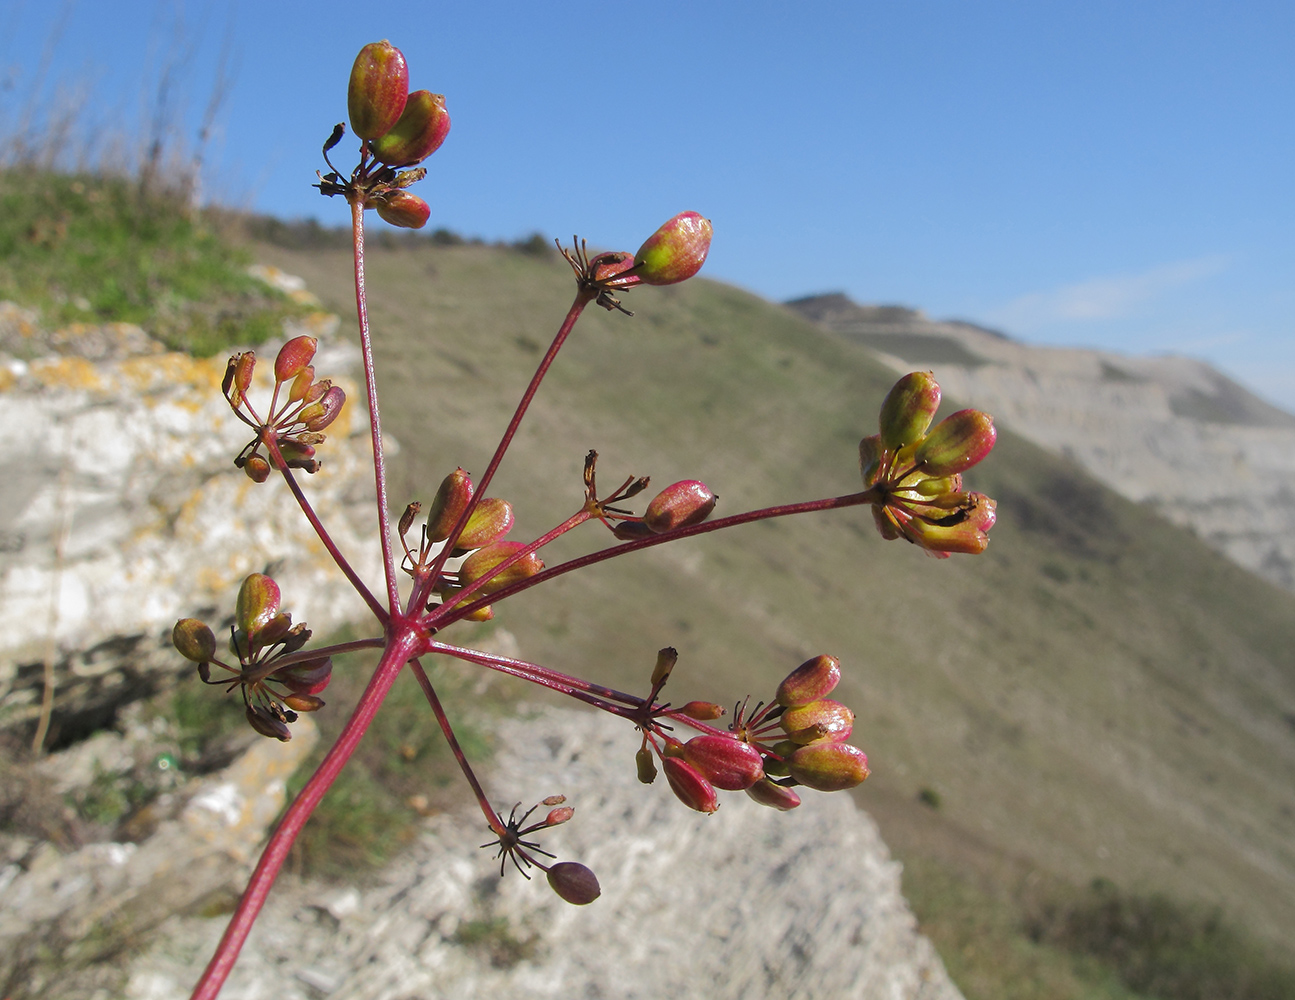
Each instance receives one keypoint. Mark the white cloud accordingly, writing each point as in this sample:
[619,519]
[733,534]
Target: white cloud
[1111,297]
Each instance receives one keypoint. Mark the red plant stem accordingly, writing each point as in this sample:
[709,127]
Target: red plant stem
[406,641]
[782,510]
[375,420]
[302,655]
[552,679]
[273,447]
[419,597]
[443,720]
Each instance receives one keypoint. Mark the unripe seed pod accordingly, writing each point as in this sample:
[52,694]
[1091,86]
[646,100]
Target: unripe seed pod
[256,468]
[725,762]
[492,519]
[702,711]
[819,720]
[679,505]
[666,658]
[957,443]
[676,251]
[378,90]
[809,682]
[645,764]
[422,128]
[400,208]
[258,603]
[238,377]
[277,628]
[689,786]
[451,500]
[293,357]
[483,562]
[908,409]
[870,459]
[407,518]
[303,702]
[559,815]
[629,531]
[882,518]
[608,265]
[301,384]
[295,453]
[315,391]
[574,883]
[967,536]
[770,793]
[829,767]
[319,415]
[194,640]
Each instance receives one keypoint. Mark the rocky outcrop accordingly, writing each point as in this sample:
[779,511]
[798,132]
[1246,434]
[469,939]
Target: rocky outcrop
[1168,431]
[748,902]
[120,512]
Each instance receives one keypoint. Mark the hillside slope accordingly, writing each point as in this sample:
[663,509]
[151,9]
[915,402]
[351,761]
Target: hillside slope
[1100,695]
[1171,432]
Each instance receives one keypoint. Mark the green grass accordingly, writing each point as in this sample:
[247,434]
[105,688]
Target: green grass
[1098,696]
[88,249]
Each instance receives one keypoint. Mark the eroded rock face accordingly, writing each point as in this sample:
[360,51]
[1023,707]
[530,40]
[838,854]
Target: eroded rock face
[748,902]
[1167,431]
[121,511]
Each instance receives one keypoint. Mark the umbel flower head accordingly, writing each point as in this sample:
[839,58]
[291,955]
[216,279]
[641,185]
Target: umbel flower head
[301,408]
[274,687]
[797,738]
[915,470]
[674,253]
[399,129]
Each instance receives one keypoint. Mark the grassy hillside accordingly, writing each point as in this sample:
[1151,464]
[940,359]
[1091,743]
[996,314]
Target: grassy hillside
[94,249]
[1098,697]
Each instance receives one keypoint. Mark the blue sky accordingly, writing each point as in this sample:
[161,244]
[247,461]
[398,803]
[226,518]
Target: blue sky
[1105,174]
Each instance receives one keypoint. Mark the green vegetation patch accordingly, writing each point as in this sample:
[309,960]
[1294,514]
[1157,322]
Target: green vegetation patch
[90,249]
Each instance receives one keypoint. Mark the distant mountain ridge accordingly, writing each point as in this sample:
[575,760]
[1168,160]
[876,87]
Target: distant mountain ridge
[1169,431]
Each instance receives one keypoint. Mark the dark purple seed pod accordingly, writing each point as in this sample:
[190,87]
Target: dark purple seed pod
[320,414]
[267,723]
[574,882]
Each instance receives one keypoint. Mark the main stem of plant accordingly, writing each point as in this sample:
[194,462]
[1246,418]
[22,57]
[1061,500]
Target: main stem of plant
[406,642]
[405,639]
